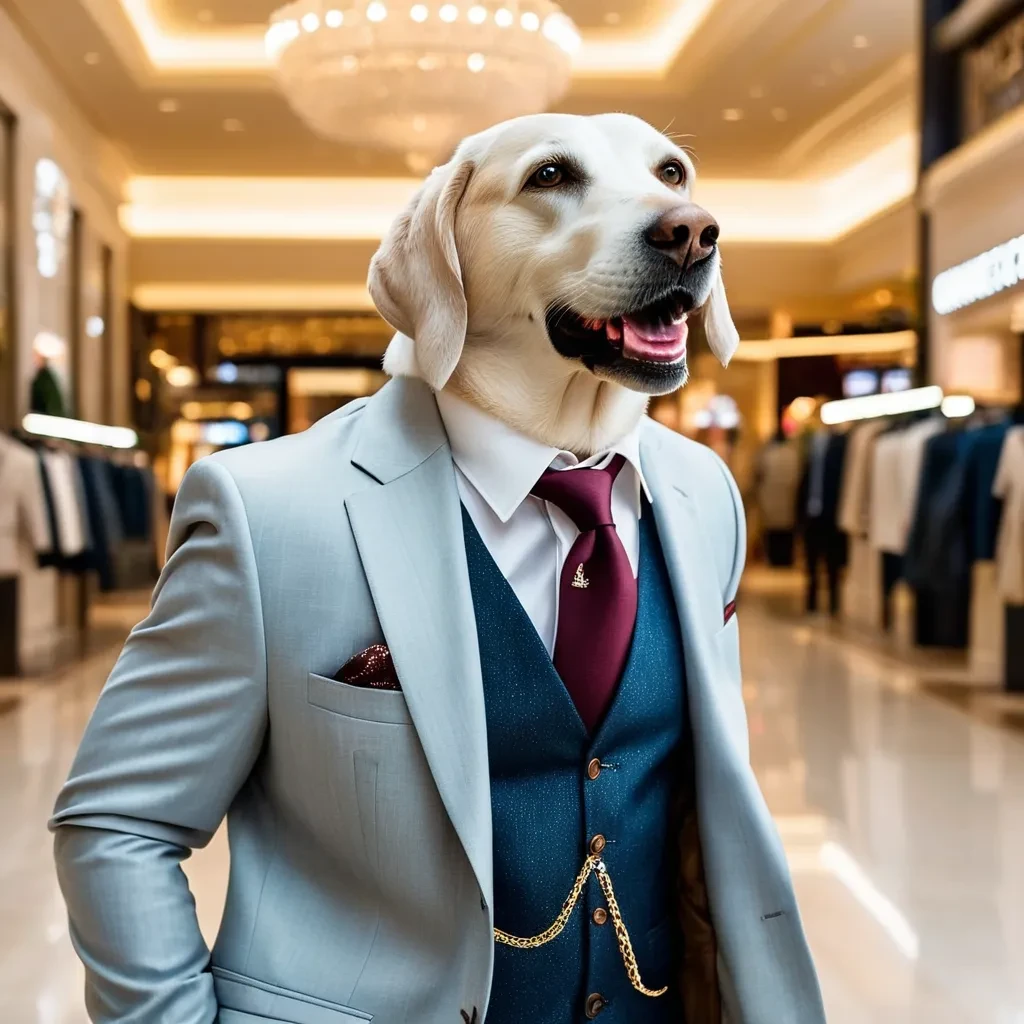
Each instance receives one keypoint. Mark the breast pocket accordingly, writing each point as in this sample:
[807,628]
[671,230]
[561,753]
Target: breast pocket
[385,801]
[243,999]
[386,707]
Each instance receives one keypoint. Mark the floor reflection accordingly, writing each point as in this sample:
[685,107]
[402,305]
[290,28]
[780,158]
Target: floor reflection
[902,815]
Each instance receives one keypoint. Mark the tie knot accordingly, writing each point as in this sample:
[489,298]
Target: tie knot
[584,495]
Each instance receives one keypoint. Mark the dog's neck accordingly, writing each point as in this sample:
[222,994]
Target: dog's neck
[575,412]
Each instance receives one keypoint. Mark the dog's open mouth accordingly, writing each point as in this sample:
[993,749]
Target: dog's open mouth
[653,334]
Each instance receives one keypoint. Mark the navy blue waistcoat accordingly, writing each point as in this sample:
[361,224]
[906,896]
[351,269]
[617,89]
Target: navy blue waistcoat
[546,808]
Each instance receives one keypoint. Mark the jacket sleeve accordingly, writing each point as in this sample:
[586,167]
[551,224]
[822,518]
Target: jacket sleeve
[173,737]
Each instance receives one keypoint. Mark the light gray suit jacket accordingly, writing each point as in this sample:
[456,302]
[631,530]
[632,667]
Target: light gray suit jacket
[359,820]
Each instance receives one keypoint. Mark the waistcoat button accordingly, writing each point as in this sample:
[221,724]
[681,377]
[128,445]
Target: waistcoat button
[594,769]
[597,844]
[600,916]
[595,1004]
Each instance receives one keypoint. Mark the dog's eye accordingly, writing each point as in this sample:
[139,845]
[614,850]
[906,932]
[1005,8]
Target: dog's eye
[548,176]
[672,173]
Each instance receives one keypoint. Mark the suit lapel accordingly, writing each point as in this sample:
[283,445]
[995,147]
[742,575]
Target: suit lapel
[409,534]
[690,557]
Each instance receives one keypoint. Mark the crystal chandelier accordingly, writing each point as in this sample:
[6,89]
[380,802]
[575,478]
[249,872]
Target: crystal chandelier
[416,77]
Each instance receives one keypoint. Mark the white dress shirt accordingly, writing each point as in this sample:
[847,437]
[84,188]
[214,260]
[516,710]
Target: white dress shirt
[854,515]
[23,518]
[896,477]
[529,539]
[62,471]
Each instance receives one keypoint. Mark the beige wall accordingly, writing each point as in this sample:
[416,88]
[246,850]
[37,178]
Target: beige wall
[51,125]
[976,201]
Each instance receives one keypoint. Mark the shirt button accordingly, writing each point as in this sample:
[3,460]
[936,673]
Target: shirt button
[597,844]
[595,1004]
[600,916]
[594,769]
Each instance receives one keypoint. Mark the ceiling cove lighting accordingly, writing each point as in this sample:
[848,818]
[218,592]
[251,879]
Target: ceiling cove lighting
[811,210]
[769,349]
[284,296]
[646,53]
[870,406]
[79,430]
[979,278]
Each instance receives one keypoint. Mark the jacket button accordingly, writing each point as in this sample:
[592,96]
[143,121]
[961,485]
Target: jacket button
[595,1004]
[593,769]
[599,916]
[597,844]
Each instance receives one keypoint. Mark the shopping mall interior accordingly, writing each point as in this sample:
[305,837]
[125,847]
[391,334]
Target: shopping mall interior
[191,192]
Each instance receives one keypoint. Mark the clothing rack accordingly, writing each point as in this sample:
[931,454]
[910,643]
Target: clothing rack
[100,502]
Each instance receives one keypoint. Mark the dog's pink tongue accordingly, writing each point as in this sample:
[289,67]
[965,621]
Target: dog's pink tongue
[657,343]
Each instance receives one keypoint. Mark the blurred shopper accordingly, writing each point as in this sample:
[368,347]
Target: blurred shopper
[778,480]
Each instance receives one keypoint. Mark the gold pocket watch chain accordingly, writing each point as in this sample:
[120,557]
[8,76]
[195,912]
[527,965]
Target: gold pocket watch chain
[592,864]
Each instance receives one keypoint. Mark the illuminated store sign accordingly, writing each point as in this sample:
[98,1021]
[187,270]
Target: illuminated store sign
[979,278]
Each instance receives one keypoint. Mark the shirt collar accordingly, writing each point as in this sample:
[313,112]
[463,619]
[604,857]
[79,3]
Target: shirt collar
[503,464]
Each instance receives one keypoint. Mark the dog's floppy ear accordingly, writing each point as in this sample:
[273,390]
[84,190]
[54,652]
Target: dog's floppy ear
[416,280]
[723,338]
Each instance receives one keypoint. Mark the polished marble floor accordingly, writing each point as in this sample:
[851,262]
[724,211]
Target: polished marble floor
[903,817]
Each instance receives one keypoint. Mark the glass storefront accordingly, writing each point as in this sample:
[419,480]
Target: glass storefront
[205,382]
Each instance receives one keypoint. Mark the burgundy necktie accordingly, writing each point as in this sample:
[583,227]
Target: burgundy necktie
[598,592]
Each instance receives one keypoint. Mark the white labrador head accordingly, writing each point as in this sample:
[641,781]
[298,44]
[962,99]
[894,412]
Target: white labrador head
[553,253]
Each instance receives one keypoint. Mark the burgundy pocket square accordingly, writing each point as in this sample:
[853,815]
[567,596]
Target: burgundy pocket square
[730,610]
[372,668]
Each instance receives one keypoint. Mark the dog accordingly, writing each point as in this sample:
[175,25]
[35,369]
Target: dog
[546,273]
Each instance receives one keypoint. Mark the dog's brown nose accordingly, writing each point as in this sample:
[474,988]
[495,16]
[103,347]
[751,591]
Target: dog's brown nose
[687,233]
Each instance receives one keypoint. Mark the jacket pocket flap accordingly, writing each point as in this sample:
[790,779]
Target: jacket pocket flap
[386,707]
[247,995]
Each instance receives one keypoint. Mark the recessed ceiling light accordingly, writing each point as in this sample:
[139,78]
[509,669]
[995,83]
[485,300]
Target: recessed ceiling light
[205,16]
[92,58]
[732,114]
[448,13]
[233,124]
[530,21]
[476,62]
[757,92]
[477,14]
[376,12]
[780,113]
[334,18]
[310,22]
[860,42]
[419,12]
[168,106]
[612,18]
